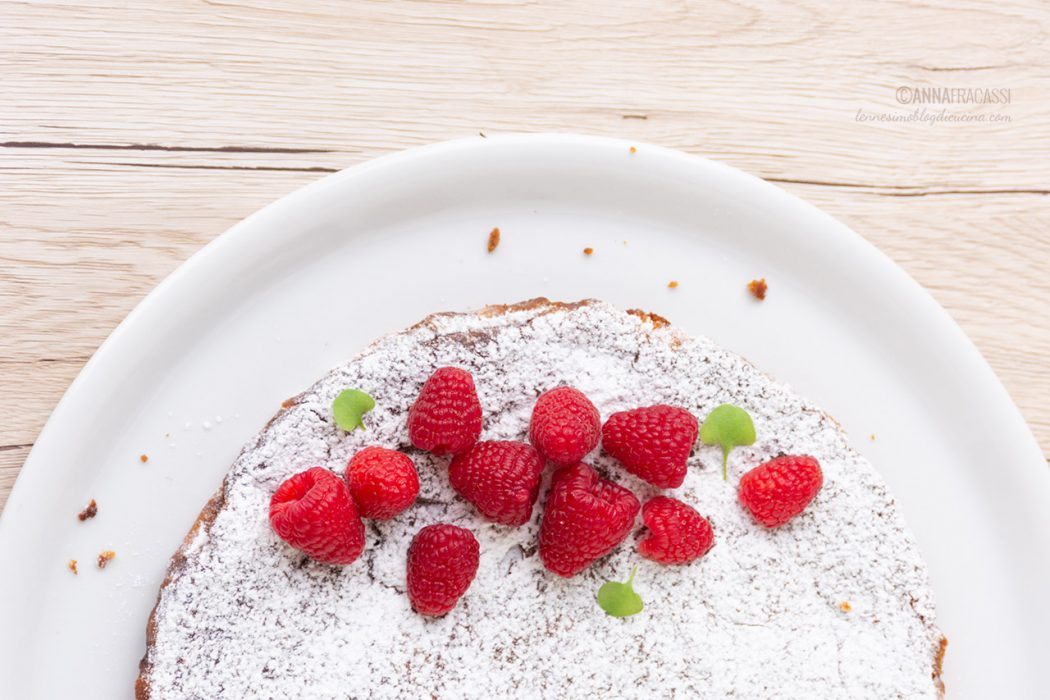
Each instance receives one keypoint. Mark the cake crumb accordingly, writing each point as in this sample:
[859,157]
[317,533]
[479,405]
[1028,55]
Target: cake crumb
[588,251]
[656,320]
[872,437]
[288,403]
[90,511]
[482,134]
[73,566]
[632,149]
[493,239]
[673,284]
[758,288]
[143,458]
[105,557]
[845,607]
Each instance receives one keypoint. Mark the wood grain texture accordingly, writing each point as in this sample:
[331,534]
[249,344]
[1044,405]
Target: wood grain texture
[133,133]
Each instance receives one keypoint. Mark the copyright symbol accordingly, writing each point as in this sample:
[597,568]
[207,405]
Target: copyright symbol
[904,95]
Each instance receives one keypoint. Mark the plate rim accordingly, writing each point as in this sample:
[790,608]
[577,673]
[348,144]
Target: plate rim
[1022,447]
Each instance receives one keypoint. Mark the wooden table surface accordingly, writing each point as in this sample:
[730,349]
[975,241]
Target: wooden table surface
[131,134]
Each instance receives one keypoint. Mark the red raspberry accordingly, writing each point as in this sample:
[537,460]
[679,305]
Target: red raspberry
[780,489]
[652,443]
[565,425]
[677,533]
[446,418]
[442,561]
[585,518]
[382,482]
[501,479]
[313,512]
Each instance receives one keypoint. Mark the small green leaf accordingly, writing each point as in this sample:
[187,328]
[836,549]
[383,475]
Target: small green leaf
[350,407]
[729,426]
[619,599]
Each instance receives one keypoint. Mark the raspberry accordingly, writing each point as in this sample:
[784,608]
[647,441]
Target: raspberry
[780,489]
[585,518]
[652,443]
[442,561]
[383,483]
[446,418]
[501,479]
[565,425]
[313,512]
[677,533]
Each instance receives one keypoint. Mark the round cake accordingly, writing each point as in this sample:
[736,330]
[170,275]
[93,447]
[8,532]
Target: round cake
[834,604]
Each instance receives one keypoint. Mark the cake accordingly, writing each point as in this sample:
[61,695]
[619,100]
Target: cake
[834,604]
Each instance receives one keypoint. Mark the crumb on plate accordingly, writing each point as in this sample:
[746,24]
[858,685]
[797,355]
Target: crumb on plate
[105,557]
[673,284]
[143,458]
[845,607]
[588,251]
[632,149]
[872,436]
[288,403]
[493,239]
[758,288]
[90,511]
[73,566]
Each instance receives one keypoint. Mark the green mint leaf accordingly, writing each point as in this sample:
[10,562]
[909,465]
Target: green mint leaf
[729,426]
[619,599]
[349,409]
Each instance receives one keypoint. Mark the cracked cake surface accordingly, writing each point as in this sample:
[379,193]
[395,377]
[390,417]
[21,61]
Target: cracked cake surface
[834,604]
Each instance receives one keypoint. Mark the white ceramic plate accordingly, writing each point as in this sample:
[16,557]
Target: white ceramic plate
[268,307]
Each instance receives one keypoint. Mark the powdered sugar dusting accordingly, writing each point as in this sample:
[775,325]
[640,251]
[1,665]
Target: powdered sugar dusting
[760,616]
